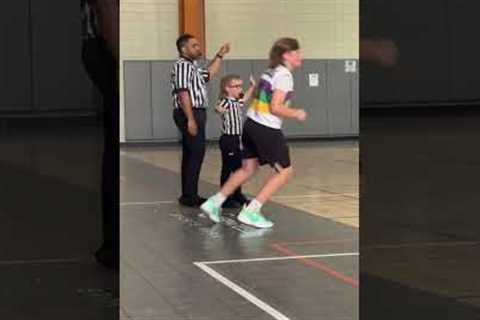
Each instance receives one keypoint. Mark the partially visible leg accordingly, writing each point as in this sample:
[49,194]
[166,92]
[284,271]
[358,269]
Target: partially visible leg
[185,161]
[240,176]
[110,186]
[277,180]
[271,146]
[226,170]
[197,145]
[193,152]
[251,214]
[277,151]
[236,163]
[231,162]
[196,152]
[190,173]
[180,122]
[249,165]
[102,70]
[212,206]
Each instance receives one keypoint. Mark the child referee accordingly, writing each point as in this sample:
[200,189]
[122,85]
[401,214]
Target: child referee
[230,107]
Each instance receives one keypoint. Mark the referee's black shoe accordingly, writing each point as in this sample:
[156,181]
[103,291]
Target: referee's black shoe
[231,204]
[107,257]
[193,202]
[241,199]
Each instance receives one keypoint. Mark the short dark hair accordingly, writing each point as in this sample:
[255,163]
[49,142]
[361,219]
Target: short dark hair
[281,46]
[182,41]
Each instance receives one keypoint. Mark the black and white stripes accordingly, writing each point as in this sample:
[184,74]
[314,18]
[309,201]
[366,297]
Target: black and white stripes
[232,118]
[187,76]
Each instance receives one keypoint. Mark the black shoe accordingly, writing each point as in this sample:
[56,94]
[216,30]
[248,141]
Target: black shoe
[107,258]
[193,202]
[187,201]
[200,200]
[231,204]
[241,199]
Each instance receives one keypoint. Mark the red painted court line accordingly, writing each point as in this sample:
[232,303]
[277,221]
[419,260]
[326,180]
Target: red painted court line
[318,265]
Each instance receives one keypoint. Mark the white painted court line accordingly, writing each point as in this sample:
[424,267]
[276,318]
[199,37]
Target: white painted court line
[247,295]
[345,254]
[244,293]
[124,204]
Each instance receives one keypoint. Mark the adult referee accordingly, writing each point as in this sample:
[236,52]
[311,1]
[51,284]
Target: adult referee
[190,101]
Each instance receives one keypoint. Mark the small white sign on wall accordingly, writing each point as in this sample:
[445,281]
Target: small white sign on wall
[313,80]
[350,66]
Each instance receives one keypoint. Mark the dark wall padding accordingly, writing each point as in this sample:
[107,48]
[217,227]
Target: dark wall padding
[40,58]
[438,49]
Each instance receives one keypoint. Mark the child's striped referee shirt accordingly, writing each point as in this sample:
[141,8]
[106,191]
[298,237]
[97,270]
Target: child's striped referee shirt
[232,118]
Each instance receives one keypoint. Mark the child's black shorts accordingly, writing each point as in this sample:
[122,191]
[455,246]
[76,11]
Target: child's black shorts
[266,144]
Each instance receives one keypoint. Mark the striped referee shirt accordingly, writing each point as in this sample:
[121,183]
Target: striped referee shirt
[232,118]
[187,76]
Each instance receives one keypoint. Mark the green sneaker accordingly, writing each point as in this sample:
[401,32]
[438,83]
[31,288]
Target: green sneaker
[254,218]
[213,212]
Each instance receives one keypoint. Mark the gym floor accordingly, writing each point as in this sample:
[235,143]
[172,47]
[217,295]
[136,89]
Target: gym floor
[177,265]
[50,221]
[420,239]
[419,228]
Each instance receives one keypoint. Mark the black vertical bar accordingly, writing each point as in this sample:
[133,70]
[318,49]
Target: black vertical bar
[31,55]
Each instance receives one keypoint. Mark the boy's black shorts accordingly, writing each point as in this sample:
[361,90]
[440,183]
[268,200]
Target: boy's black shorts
[266,144]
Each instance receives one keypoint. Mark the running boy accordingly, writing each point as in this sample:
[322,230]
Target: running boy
[262,138]
[230,106]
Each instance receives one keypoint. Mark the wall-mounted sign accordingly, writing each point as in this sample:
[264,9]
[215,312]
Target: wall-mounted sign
[350,66]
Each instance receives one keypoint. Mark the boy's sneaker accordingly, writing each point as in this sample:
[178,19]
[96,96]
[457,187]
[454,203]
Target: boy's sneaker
[253,218]
[213,212]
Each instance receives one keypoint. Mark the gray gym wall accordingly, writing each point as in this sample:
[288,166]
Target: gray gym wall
[41,72]
[332,106]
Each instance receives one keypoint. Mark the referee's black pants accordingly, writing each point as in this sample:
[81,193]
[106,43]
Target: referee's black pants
[193,150]
[102,69]
[231,160]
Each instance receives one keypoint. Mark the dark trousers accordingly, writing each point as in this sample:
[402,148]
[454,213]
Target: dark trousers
[193,150]
[231,159]
[102,69]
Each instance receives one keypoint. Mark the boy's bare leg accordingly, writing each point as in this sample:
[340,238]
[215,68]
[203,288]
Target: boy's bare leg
[251,214]
[277,180]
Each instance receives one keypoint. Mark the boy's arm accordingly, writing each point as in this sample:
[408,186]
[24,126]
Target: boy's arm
[250,90]
[279,109]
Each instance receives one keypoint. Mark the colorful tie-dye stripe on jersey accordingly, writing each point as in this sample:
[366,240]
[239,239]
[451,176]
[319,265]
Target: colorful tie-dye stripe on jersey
[260,106]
